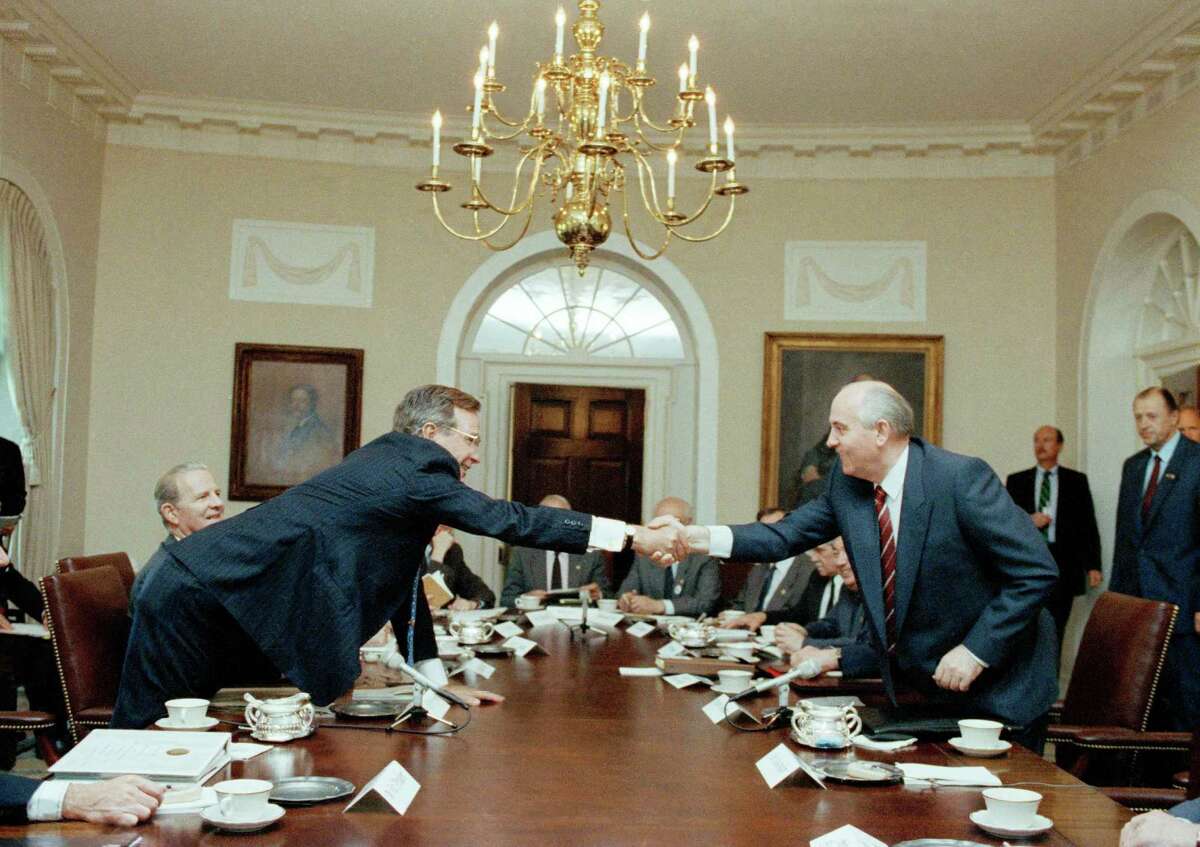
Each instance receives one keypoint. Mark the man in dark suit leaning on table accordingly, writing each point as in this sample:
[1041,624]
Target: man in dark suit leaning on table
[1060,503]
[953,574]
[304,579]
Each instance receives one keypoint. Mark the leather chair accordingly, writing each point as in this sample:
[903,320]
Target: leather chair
[119,561]
[88,617]
[1116,677]
[41,724]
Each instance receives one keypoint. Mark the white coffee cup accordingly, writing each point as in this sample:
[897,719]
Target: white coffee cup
[742,649]
[977,732]
[607,604]
[1012,806]
[735,680]
[528,602]
[243,799]
[767,631]
[187,711]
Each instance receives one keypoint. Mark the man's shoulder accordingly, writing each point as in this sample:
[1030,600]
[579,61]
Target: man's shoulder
[1019,476]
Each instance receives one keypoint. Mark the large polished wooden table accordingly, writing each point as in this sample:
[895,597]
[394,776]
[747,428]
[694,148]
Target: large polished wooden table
[580,755]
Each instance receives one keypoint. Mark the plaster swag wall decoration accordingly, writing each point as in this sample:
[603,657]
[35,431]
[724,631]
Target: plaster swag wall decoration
[281,262]
[855,280]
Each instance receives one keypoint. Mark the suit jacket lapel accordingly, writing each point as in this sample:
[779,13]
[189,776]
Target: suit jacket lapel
[914,524]
[1166,484]
[1135,480]
[862,540]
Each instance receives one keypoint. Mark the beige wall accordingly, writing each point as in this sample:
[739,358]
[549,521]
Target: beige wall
[165,328]
[59,162]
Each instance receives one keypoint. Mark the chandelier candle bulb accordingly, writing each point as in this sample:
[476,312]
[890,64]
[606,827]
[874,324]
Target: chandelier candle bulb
[644,27]
[671,157]
[476,162]
[602,107]
[683,78]
[541,98]
[710,97]
[693,49]
[493,31]
[476,110]
[560,20]
[729,139]
[437,139]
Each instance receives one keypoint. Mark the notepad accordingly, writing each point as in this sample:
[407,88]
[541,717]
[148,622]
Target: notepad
[172,758]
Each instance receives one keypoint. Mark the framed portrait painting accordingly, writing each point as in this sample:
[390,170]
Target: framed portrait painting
[296,412]
[801,374]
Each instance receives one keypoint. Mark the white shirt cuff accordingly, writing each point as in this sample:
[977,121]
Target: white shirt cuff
[607,534]
[669,607]
[435,670]
[46,804]
[982,663]
[720,541]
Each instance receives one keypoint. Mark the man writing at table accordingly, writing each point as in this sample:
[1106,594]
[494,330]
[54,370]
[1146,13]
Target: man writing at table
[302,580]
[953,575]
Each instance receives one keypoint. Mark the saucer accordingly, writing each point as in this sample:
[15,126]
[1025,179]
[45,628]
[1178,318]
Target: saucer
[204,725]
[724,689]
[984,821]
[999,749]
[213,816]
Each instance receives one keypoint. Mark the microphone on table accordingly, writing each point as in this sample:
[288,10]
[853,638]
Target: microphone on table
[425,682]
[805,670]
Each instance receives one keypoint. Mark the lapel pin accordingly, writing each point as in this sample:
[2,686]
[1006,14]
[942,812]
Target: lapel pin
[1168,475]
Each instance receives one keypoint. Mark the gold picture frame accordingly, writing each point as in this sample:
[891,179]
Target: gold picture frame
[802,372]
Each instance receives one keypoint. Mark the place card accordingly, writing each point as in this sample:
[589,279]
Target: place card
[521,646]
[394,784]
[434,704]
[640,629]
[541,618]
[846,836]
[778,765]
[683,680]
[640,672]
[672,649]
[508,629]
[480,667]
[602,618]
[715,710]
[243,750]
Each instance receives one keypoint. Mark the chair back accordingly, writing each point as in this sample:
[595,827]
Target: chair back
[1119,663]
[119,561]
[88,618]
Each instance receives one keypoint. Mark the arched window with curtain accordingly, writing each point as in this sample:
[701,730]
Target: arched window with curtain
[27,385]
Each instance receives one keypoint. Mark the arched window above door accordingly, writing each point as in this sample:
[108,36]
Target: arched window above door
[553,311]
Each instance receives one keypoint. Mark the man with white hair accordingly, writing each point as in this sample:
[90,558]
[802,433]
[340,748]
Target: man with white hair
[954,576]
[188,499]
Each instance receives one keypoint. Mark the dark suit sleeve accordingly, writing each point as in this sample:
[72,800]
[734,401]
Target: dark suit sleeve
[23,593]
[1003,537]
[467,583]
[708,591]
[800,530]
[15,792]
[1089,532]
[12,479]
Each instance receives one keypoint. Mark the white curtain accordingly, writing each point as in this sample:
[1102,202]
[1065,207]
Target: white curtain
[30,345]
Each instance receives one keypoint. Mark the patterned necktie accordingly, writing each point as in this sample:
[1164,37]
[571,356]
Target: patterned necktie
[887,564]
[1044,499]
[761,606]
[1151,488]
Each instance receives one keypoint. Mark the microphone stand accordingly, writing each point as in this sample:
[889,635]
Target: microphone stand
[415,711]
[582,630]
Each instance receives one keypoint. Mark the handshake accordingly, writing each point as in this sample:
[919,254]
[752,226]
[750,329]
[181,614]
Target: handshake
[665,540]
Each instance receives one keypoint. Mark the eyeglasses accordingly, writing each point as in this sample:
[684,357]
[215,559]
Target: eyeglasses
[473,440]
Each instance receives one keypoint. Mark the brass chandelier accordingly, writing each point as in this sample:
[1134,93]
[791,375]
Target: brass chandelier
[576,146]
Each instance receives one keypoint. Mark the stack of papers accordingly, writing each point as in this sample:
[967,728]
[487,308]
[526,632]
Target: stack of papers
[172,758]
[976,776]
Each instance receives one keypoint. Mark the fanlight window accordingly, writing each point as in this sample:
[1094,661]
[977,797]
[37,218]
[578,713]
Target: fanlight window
[556,312]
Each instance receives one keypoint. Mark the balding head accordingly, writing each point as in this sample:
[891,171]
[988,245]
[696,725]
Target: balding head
[555,501]
[869,427]
[675,507]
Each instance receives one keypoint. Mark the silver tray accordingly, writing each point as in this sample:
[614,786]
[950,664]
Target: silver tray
[306,790]
[839,772]
[938,842]
[368,709]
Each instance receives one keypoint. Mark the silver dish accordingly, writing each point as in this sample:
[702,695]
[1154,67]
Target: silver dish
[306,790]
[368,709]
[839,772]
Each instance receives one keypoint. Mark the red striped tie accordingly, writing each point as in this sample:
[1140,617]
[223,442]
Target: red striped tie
[887,564]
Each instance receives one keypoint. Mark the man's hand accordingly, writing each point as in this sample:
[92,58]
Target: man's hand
[1196,623]
[1095,577]
[6,624]
[1159,829]
[593,590]
[640,604]
[474,696]
[790,637]
[751,621]
[957,670]
[460,604]
[663,541]
[123,801]
[826,657]
[1041,519]
[442,541]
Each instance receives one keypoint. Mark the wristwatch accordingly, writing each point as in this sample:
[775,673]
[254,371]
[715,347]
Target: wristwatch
[630,532]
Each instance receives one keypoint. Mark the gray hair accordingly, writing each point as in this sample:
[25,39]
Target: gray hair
[166,490]
[433,404]
[881,402]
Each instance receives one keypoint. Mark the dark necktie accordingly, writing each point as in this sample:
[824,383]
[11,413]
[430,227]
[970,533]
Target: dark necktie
[556,574]
[1151,487]
[761,606]
[668,582]
[887,564]
[1044,499]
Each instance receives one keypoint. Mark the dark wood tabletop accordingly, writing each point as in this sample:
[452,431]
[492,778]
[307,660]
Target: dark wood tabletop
[581,755]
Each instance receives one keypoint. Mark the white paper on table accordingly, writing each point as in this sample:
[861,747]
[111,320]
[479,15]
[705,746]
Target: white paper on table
[683,680]
[434,704]
[567,614]
[640,629]
[778,765]
[882,746]
[208,797]
[541,618]
[731,635]
[603,618]
[846,836]
[917,772]
[508,629]
[715,709]
[243,750]
[640,672]
[480,667]
[32,630]
[394,784]
[521,646]
[670,649]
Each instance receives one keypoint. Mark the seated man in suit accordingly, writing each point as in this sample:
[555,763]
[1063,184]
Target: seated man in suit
[690,587]
[1179,827]
[819,597]
[188,499]
[123,801]
[535,572]
[443,555]
[845,625]
[775,586]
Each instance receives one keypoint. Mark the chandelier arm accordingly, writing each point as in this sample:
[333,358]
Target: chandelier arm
[487,133]
[649,257]
[641,111]
[515,210]
[687,219]
[479,236]
[519,126]
[524,230]
[653,208]
[696,239]
[660,148]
